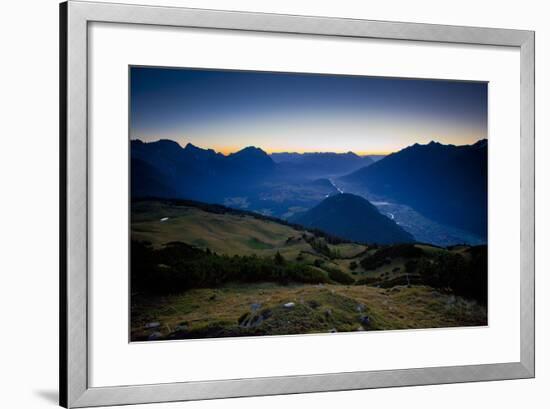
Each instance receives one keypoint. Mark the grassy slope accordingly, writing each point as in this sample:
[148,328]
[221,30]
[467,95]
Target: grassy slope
[318,309]
[216,312]
[224,233]
[245,235]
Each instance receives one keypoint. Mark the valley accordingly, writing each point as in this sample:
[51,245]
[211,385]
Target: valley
[422,228]
[449,208]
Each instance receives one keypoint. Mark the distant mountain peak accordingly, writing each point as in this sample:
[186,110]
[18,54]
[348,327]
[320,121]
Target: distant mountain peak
[199,152]
[321,164]
[158,143]
[482,143]
[430,145]
[252,158]
[167,142]
[250,151]
[190,146]
[137,142]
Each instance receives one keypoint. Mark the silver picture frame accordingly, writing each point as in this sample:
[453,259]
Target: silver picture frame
[75,17]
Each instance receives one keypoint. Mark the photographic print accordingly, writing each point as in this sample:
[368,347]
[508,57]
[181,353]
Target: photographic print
[271,203]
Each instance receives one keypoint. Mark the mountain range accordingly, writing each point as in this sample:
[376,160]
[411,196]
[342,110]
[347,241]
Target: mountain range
[320,164]
[165,169]
[445,183]
[248,179]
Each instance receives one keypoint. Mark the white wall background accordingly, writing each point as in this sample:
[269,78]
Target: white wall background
[29,202]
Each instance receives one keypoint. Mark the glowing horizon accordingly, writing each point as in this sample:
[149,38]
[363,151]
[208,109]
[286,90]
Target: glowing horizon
[281,112]
[228,151]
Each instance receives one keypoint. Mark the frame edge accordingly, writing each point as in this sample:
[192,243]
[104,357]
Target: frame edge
[76,210]
[73,368]
[237,388]
[63,368]
[527,177]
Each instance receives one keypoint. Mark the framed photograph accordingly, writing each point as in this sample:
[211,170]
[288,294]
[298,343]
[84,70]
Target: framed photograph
[257,204]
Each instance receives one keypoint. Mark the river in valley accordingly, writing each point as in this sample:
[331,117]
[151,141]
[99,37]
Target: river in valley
[423,229]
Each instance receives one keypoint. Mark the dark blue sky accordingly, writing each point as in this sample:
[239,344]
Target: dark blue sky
[229,110]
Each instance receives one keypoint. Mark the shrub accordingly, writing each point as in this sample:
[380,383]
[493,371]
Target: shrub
[411,265]
[306,274]
[454,272]
[178,266]
[339,276]
[367,281]
[278,259]
[385,254]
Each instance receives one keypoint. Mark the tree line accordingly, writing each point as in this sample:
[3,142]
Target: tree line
[178,266]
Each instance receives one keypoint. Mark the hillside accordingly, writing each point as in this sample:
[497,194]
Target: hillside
[445,183]
[264,309]
[185,230]
[229,231]
[201,270]
[355,218]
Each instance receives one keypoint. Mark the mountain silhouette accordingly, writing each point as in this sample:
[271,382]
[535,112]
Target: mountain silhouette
[251,158]
[320,164]
[445,183]
[193,172]
[354,218]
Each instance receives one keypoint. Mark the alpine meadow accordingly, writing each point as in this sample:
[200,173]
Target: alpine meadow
[270,203]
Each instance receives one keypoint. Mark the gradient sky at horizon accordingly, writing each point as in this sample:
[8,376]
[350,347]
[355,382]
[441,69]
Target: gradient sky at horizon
[287,112]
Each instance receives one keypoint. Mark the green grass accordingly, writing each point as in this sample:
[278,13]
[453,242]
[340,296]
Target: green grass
[347,250]
[431,250]
[220,312]
[232,234]
[217,232]
[317,309]
[221,233]
[257,244]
